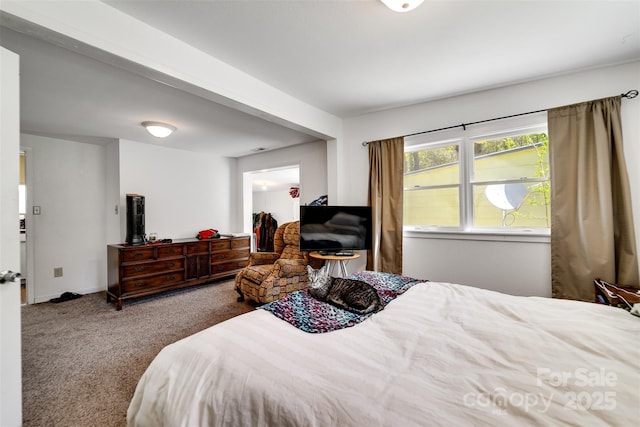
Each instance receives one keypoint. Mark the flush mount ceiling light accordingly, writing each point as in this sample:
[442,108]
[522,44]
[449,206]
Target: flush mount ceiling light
[159,129]
[402,5]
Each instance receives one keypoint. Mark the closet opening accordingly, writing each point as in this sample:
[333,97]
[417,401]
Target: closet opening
[271,198]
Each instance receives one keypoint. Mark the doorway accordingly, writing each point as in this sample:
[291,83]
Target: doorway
[25,193]
[270,191]
[22,218]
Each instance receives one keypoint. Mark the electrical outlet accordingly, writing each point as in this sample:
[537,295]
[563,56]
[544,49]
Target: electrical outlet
[57,272]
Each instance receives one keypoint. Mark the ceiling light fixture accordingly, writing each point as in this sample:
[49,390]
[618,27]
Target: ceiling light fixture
[402,5]
[159,129]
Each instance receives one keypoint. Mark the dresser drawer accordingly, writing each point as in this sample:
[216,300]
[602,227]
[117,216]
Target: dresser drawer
[136,285]
[240,243]
[228,266]
[141,254]
[229,255]
[220,245]
[197,248]
[152,267]
[169,251]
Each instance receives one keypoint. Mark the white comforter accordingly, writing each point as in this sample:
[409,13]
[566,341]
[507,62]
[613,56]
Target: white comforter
[439,355]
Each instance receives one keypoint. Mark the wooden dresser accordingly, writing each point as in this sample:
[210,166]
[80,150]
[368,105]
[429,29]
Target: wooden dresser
[140,270]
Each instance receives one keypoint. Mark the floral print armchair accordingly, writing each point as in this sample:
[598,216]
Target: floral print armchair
[272,275]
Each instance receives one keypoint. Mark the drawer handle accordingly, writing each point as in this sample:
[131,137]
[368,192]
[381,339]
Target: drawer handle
[170,264]
[138,254]
[137,285]
[168,278]
[170,251]
[138,269]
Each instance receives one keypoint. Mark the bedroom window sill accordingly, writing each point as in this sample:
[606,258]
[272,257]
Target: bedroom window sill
[509,236]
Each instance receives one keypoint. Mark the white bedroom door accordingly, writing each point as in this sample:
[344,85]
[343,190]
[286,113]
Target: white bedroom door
[10,331]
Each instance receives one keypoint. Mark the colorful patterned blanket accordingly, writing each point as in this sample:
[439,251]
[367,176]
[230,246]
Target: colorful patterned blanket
[314,316]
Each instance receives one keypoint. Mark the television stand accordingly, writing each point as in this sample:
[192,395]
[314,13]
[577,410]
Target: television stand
[333,257]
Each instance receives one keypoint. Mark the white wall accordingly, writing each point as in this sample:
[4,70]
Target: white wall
[517,268]
[112,193]
[278,203]
[68,184]
[185,192]
[505,266]
[312,159]
[78,186]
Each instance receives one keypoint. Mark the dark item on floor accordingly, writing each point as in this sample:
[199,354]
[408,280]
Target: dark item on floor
[66,296]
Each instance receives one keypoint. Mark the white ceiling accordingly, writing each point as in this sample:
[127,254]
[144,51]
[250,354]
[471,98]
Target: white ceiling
[344,57]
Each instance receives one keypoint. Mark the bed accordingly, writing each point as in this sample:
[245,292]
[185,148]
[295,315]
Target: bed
[439,354]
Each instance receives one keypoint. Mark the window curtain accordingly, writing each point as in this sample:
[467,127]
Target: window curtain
[386,165]
[592,233]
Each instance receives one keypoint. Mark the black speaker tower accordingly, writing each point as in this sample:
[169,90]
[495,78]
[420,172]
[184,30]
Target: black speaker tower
[135,219]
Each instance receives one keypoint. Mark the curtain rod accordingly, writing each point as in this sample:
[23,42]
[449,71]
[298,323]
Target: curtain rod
[629,95]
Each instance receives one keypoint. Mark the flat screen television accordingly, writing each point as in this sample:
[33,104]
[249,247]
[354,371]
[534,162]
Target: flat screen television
[331,229]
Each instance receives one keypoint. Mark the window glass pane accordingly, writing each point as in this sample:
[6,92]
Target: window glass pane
[512,205]
[511,157]
[432,207]
[432,166]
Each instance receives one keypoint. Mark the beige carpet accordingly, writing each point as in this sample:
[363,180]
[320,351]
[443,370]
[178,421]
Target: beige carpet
[82,359]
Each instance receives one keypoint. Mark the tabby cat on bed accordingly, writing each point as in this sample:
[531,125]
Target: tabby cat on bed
[355,296]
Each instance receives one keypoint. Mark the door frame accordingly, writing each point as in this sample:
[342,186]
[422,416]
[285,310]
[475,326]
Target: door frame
[248,178]
[29,274]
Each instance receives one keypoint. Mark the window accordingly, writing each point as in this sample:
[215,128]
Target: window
[493,178]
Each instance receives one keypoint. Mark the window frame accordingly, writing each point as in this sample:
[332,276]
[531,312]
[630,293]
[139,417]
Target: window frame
[466,137]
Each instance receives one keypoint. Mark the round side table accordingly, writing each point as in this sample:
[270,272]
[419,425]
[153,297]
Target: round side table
[332,259]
